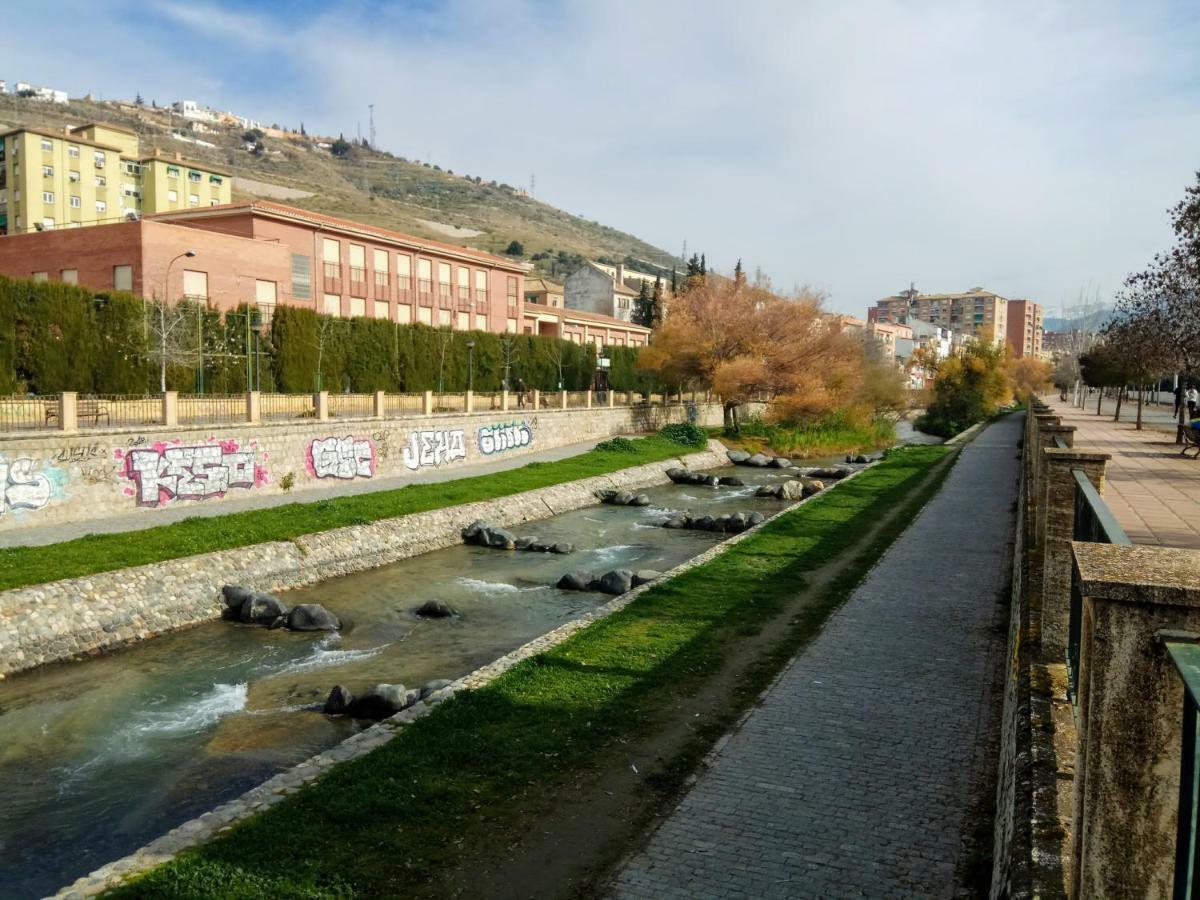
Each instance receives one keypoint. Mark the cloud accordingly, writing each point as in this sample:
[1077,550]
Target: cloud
[1028,147]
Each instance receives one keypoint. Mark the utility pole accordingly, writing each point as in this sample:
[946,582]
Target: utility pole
[371,128]
[532,184]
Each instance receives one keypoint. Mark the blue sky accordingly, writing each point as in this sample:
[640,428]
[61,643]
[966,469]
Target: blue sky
[1028,147]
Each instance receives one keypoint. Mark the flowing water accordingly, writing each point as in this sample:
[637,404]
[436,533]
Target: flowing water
[99,757]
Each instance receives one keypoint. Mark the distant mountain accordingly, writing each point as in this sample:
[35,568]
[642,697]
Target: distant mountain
[363,184]
[1088,321]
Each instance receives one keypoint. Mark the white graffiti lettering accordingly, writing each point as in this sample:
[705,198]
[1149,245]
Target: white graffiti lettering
[22,487]
[433,448]
[346,457]
[192,473]
[498,438]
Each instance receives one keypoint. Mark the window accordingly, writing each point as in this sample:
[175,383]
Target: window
[72,151]
[333,305]
[403,271]
[101,181]
[172,171]
[101,206]
[122,278]
[443,273]
[195,284]
[73,177]
[99,157]
[264,292]
[132,168]
[331,255]
[47,196]
[193,199]
[47,171]
[214,202]
[76,203]
[40,276]
[358,263]
[173,196]
[301,276]
[193,176]
[216,179]
[381,261]
[70,276]
[511,289]
[47,145]
[425,275]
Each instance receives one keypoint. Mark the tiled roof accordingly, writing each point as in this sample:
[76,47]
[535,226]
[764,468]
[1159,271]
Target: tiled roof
[579,315]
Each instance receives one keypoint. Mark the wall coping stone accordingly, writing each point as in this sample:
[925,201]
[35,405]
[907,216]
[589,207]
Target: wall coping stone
[1138,574]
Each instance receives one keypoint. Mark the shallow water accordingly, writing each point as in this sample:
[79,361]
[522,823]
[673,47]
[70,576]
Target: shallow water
[99,757]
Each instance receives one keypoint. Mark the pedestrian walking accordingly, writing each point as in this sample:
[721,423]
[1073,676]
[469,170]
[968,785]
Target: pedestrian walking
[1192,397]
[520,393]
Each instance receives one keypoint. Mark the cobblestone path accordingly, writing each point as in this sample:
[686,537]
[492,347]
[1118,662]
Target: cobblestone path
[853,776]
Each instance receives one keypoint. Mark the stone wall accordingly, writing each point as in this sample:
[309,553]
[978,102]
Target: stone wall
[53,477]
[56,621]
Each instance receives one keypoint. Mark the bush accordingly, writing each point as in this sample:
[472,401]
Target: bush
[617,445]
[686,434]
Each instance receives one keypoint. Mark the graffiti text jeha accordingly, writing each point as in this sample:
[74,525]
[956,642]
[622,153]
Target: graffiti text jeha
[498,438]
[434,448]
[346,457]
[164,473]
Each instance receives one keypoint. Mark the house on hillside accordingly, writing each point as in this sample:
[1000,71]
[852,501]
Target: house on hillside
[544,292]
[593,288]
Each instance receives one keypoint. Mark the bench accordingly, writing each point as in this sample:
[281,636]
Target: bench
[84,410]
[1191,441]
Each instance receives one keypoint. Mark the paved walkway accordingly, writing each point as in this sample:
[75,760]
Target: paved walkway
[135,521]
[852,777]
[1152,490]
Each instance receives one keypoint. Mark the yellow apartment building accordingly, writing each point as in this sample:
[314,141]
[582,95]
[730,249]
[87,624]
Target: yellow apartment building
[95,174]
[977,312]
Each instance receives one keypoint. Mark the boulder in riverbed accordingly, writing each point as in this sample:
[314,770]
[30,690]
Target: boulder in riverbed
[437,684]
[645,576]
[618,581]
[312,617]
[339,701]
[261,608]
[563,547]
[381,701]
[640,500]
[755,518]
[780,462]
[435,609]
[759,460]
[730,481]
[235,595]
[738,457]
[575,581]
[678,475]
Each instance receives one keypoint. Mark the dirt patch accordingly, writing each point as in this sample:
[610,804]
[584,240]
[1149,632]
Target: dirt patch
[456,231]
[564,840]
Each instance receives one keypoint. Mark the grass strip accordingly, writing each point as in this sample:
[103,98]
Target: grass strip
[383,825]
[21,566]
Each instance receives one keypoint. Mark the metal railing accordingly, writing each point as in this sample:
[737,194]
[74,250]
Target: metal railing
[217,408]
[113,410]
[1094,523]
[347,406]
[482,401]
[1186,657]
[23,413]
[450,402]
[281,407]
[403,404]
[576,399]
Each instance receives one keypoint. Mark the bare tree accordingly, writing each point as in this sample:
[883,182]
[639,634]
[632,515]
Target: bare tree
[508,356]
[555,351]
[171,338]
[325,327]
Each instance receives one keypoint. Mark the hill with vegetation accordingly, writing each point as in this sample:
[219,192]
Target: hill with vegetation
[354,181]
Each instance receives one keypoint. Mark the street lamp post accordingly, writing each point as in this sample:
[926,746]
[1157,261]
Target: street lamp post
[470,365]
[256,326]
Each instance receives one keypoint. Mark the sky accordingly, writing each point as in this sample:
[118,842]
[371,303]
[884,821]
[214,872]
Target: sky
[1031,148]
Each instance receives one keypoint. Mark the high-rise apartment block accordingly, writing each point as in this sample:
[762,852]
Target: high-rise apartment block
[95,174]
[1025,327]
[976,312]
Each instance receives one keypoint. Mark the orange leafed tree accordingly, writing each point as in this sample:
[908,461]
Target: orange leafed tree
[746,342]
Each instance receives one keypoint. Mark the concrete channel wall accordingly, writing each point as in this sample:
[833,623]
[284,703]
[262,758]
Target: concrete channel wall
[57,621]
[49,477]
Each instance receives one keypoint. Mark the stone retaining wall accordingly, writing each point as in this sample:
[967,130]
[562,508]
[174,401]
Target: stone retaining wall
[202,828]
[56,621]
[50,477]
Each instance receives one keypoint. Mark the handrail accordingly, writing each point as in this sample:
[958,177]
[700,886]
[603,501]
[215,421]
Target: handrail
[1059,443]
[1186,657]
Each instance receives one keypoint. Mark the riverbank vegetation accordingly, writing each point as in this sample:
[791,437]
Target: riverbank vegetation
[842,431]
[476,774]
[973,384]
[21,566]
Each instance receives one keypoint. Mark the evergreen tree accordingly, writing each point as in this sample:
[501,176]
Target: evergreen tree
[739,276]
[674,281]
[138,101]
[643,312]
[703,266]
[693,265]
[656,303]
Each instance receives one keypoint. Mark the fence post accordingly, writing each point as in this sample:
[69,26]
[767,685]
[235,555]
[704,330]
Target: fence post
[1130,699]
[253,407]
[470,403]
[321,402]
[170,408]
[1056,525]
[562,399]
[504,400]
[427,404]
[537,399]
[68,411]
[380,404]
[612,398]
[589,400]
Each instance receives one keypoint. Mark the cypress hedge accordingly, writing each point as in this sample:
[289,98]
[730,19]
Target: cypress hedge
[59,337]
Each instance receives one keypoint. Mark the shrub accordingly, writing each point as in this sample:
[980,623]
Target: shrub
[685,433]
[617,445]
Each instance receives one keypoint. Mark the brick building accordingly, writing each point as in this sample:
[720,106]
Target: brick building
[268,253]
[977,312]
[1025,328]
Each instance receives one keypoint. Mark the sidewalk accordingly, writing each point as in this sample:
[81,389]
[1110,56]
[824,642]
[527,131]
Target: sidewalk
[140,519]
[1152,490]
[854,776]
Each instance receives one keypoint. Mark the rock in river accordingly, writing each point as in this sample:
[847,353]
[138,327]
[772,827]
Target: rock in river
[339,701]
[261,608]
[235,595]
[382,700]
[435,609]
[312,617]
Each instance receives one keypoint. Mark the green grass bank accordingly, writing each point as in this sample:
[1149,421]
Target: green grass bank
[390,822]
[832,434]
[21,566]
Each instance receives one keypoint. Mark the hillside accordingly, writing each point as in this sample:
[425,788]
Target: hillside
[365,185]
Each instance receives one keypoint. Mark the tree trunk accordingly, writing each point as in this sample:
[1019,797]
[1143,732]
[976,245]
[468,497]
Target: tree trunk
[1182,409]
[1120,397]
[1099,399]
[1141,394]
[731,418]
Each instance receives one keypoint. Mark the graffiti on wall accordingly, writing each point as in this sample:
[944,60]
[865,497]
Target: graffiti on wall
[22,487]
[162,473]
[498,438]
[434,448]
[345,457]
